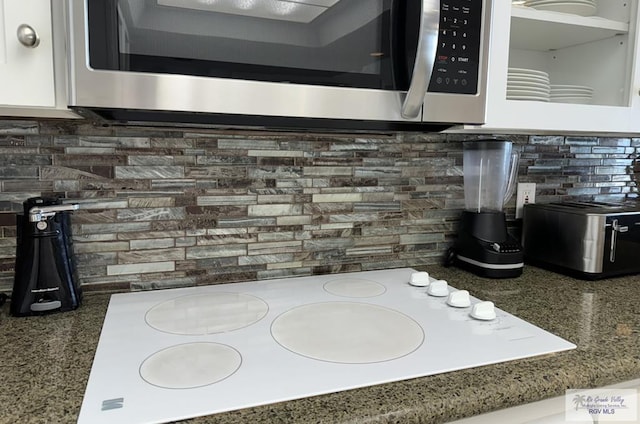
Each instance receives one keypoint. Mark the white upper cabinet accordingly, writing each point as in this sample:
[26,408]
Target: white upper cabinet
[33,79]
[589,55]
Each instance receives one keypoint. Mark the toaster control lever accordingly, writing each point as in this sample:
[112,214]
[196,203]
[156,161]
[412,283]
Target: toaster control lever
[616,228]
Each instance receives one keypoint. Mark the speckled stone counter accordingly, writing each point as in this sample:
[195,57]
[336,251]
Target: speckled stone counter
[45,361]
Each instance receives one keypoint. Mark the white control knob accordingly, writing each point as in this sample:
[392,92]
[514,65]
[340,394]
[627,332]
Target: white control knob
[438,288]
[419,279]
[484,311]
[459,299]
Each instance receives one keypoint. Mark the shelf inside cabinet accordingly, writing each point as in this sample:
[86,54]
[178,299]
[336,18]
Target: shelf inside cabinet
[542,30]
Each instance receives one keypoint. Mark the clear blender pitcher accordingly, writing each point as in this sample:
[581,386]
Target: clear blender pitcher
[490,169]
[484,245]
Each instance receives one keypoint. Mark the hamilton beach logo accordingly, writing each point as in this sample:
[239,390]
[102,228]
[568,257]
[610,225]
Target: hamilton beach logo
[602,405]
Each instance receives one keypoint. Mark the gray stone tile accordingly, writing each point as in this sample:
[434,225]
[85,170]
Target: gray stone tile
[99,141]
[12,171]
[101,246]
[169,283]
[27,185]
[274,210]
[160,254]
[226,200]
[118,227]
[264,259]
[369,251]
[275,173]
[18,127]
[151,214]
[91,259]
[293,220]
[247,222]
[151,202]
[584,141]
[149,172]
[90,150]
[171,142]
[158,243]
[216,172]
[613,141]
[327,244]
[224,239]
[274,247]
[551,140]
[140,268]
[66,185]
[67,173]
[284,273]
[178,184]
[247,144]
[150,160]
[220,251]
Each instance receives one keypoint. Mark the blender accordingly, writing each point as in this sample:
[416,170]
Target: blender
[484,246]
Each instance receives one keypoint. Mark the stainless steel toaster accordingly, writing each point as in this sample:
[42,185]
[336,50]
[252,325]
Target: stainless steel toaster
[586,239]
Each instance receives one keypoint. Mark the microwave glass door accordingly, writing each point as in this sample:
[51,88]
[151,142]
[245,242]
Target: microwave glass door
[341,43]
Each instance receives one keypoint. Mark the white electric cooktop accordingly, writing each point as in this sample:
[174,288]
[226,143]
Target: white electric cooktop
[173,354]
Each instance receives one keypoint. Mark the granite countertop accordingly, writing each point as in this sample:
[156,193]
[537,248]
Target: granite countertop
[46,360]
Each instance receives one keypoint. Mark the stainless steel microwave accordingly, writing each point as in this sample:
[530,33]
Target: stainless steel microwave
[332,64]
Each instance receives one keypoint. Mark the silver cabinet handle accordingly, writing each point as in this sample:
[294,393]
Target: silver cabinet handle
[425,58]
[28,36]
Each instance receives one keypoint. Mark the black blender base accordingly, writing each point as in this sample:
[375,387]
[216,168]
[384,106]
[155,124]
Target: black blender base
[484,247]
[484,259]
[489,270]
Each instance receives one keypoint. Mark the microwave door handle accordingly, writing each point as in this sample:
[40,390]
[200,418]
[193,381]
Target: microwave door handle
[425,59]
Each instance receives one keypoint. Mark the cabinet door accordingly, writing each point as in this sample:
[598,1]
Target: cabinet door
[593,57]
[26,72]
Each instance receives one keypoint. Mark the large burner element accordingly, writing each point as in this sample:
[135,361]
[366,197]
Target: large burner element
[347,332]
[206,314]
[190,365]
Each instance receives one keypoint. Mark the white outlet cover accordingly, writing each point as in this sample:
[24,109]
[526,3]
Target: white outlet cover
[526,193]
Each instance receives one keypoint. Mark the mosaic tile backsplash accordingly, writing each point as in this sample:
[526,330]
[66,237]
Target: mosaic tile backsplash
[170,208]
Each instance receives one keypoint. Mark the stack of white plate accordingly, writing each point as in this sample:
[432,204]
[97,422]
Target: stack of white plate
[563,93]
[575,7]
[527,84]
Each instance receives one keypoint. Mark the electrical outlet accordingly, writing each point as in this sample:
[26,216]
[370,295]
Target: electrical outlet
[526,194]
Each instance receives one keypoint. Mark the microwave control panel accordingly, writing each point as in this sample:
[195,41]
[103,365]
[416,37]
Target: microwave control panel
[457,63]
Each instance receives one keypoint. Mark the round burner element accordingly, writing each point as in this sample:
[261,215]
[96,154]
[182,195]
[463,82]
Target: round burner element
[347,332]
[190,365]
[354,287]
[206,313]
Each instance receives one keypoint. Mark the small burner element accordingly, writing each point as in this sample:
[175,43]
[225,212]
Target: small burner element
[190,365]
[206,313]
[347,332]
[354,287]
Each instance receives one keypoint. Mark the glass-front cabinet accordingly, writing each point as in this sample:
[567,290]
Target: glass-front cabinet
[564,66]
